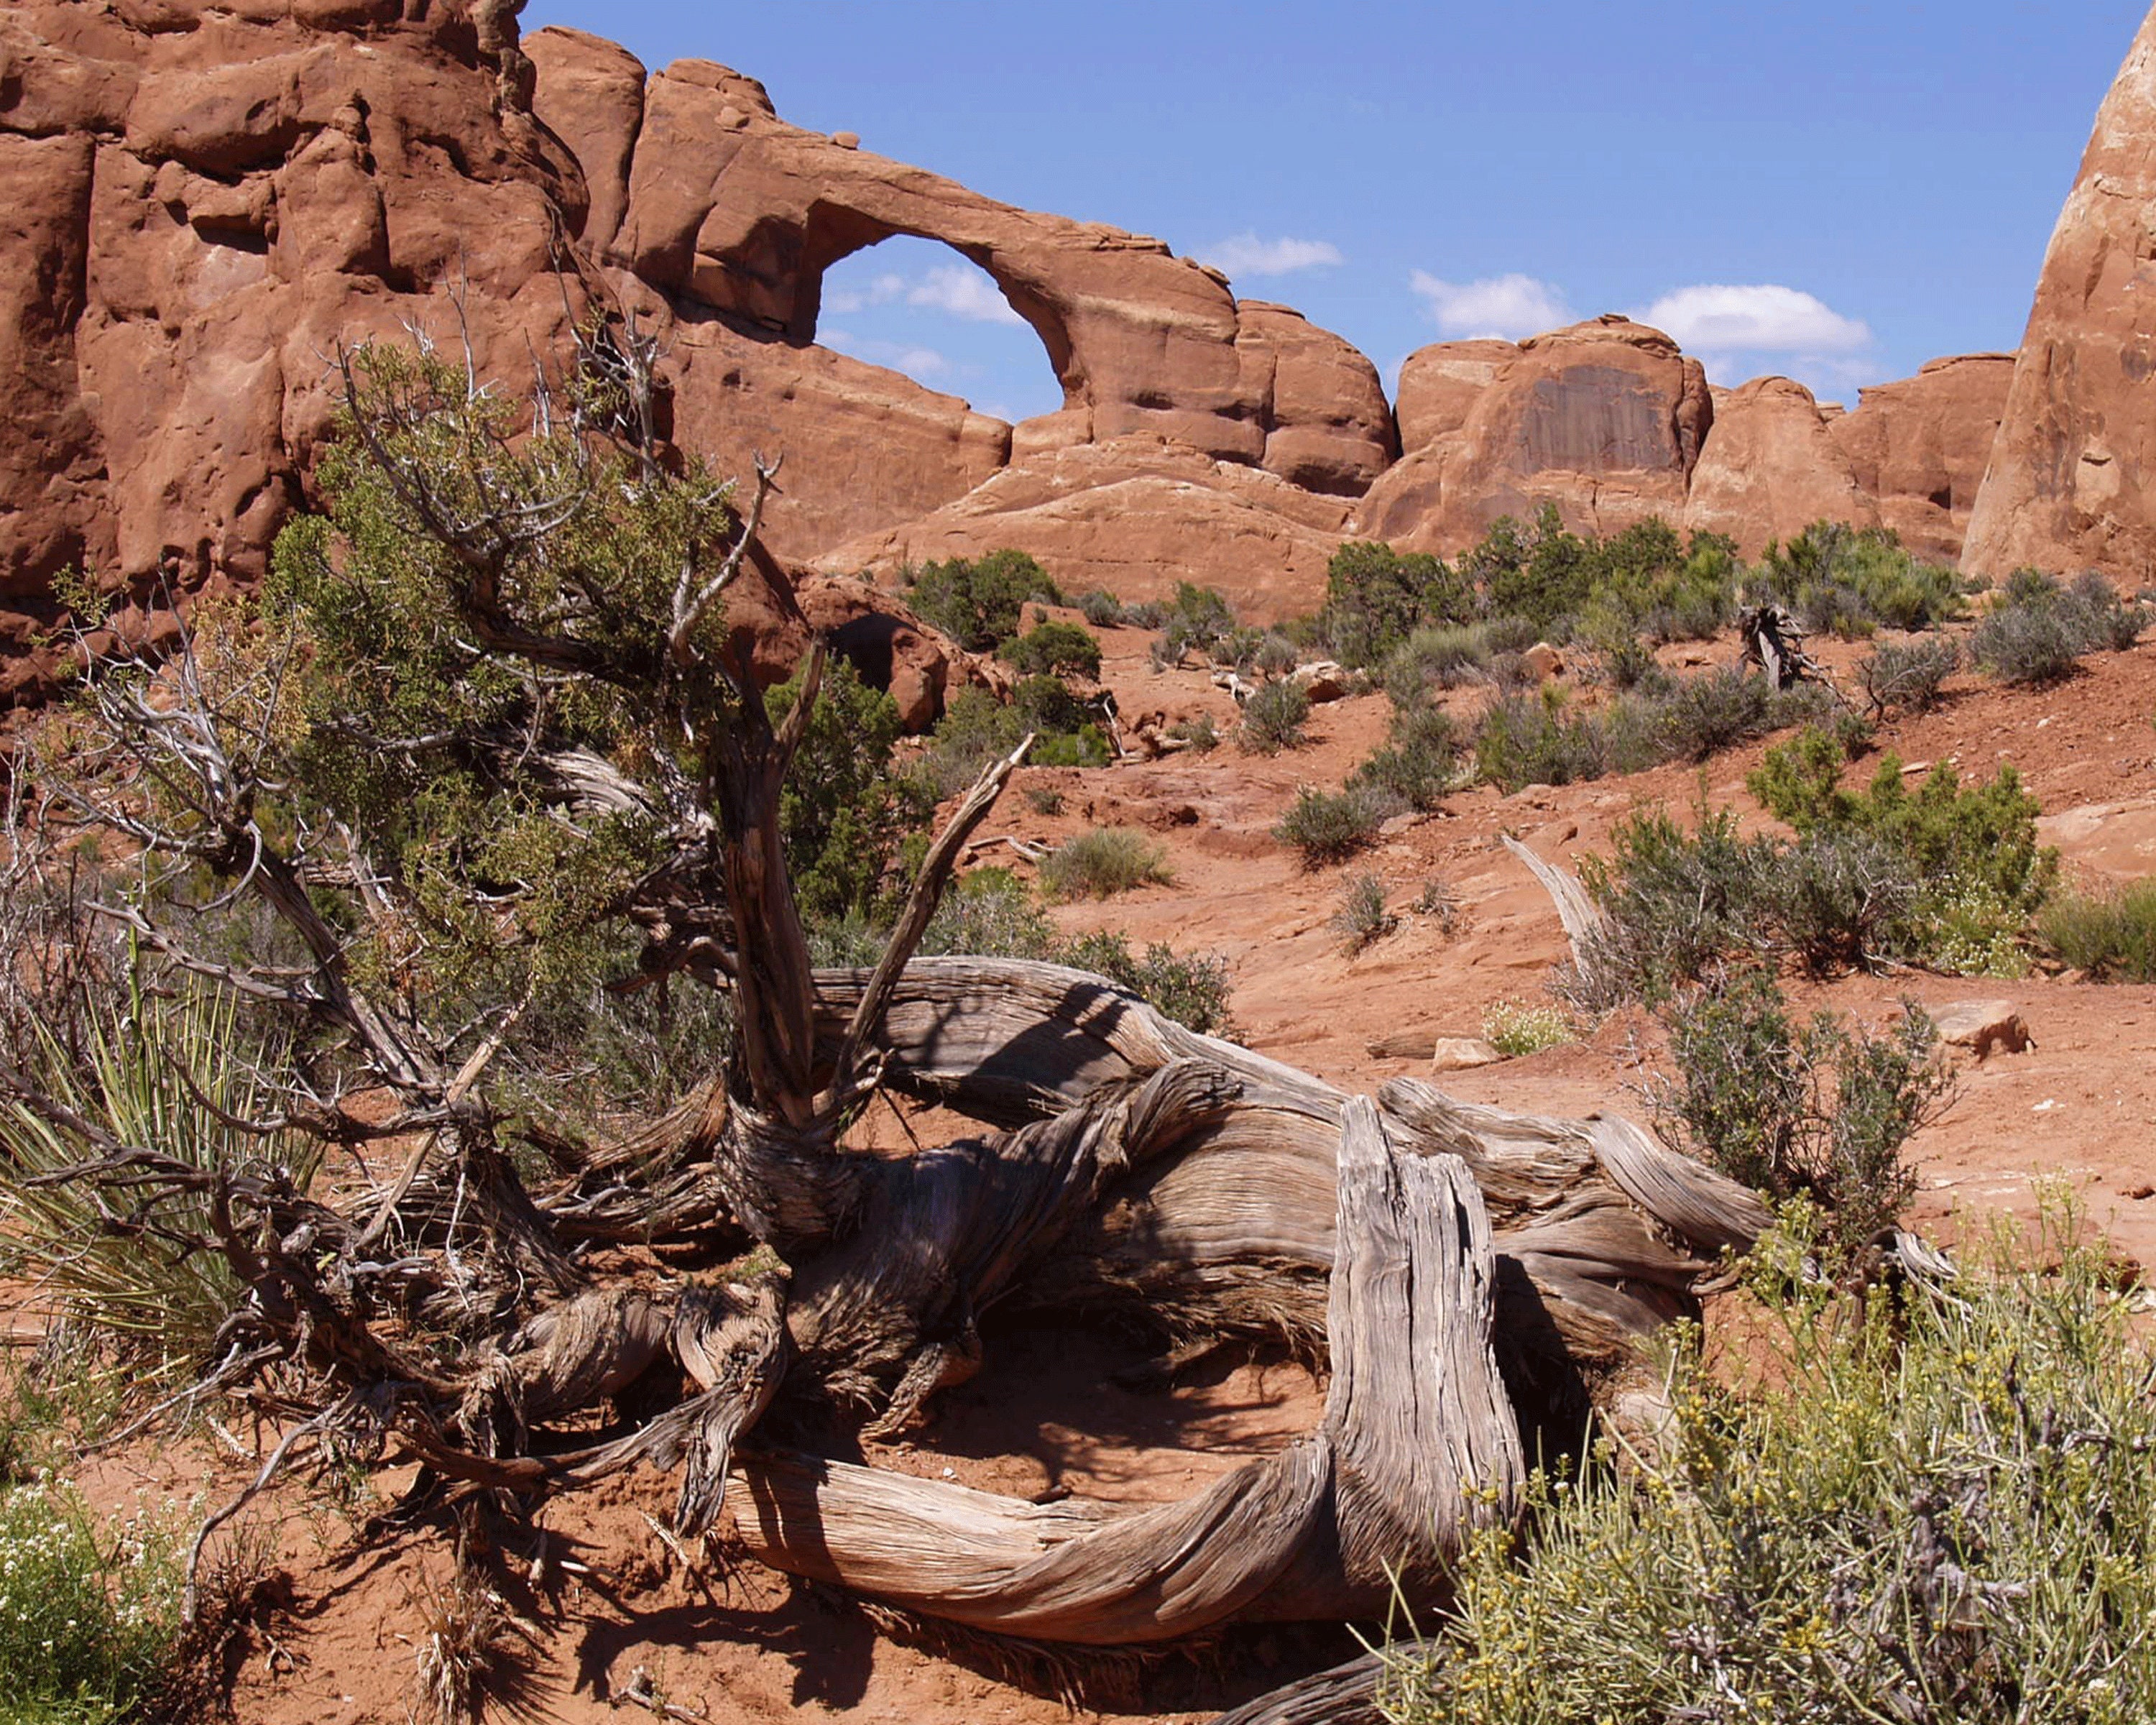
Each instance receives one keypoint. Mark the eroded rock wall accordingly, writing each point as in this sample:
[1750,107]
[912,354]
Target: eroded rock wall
[2073,478]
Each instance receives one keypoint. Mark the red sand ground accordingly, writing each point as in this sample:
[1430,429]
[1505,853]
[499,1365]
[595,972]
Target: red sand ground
[2079,1109]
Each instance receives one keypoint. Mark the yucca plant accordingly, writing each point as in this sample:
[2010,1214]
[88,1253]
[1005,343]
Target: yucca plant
[166,1074]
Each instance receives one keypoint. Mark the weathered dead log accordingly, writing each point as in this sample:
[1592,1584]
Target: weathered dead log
[1416,1415]
[1345,1695]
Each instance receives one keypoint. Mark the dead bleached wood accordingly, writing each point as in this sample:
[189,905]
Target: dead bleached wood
[1417,1443]
[1583,920]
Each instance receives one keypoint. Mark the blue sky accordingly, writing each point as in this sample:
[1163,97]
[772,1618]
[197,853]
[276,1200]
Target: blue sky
[1837,191]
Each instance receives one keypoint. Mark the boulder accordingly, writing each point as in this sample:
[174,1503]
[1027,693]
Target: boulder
[1983,1027]
[2072,483]
[1544,661]
[1323,681]
[1461,1053]
[1327,426]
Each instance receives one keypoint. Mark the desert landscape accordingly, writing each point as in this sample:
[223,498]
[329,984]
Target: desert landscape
[692,1032]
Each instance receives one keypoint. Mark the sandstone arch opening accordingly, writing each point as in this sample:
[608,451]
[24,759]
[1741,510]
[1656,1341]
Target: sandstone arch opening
[923,309]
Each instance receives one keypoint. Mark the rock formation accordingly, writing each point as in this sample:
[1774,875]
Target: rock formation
[1604,419]
[1609,422]
[2072,479]
[1918,448]
[1136,516]
[205,202]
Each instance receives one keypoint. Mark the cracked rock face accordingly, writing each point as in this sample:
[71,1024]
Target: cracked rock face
[2073,484]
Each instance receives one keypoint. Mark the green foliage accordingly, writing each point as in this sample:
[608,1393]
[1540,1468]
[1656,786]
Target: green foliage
[1935,1507]
[1101,609]
[1330,826]
[1375,598]
[1191,989]
[1273,718]
[976,728]
[1850,581]
[1199,618]
[1363,919]
[980,601]
[1526,740]
[1437,658]
[1820,1111]
[1514,1028]
[843,814]
[1104,862]
[2038,630]
[2110,932]
[90,1611]
[168,1074]
[1061,649]
[1974,851]
[1906,676]
[1418,762]
[1201,733]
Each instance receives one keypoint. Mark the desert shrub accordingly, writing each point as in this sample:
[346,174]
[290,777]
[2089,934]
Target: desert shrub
[1275,656]
[1673,903]
[1629,663]
[1540,573]
[1437,658]
[1273,718]
[976,728]
[1525,740]
[1330,826]
[2038,630]
[1514,1028]
[987,913]
[1508,632]
[1849,581]
[1820,1111]
[1199,617]
[1192,989]
[1418,762]
[1201,733]
[90,1611]
[2108,931]
[980,601]
[2028,643]
[1146,614]
[1697,717]
[1363,919]
[1101,609]
[1889,1514]
[1837,901]
[1649,585]
[179,1075]
[1376,597]
[1043,799]
[845,814]
[1906,676]
[1972,850]
[1061,649]
[1438,902]
[1104,862]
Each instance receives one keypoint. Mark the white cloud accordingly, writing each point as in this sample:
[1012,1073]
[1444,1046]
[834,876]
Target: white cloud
[962,292]
[1246,254]
[1764,318]
[1504,306]
[881,291]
